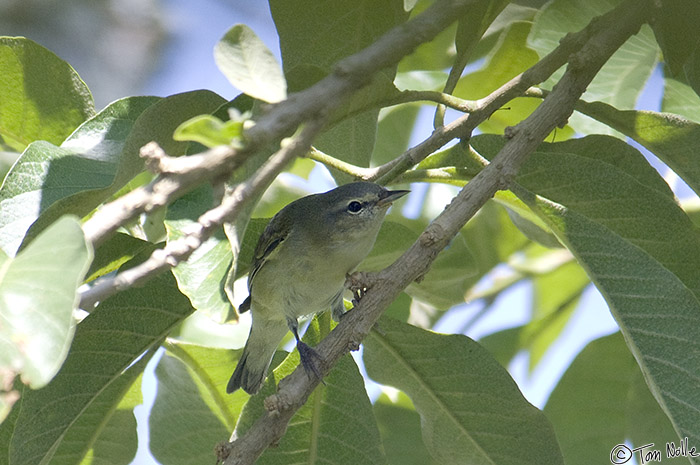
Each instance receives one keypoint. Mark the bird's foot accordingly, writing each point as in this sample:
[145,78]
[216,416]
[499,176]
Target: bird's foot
[357,284]
[310,360]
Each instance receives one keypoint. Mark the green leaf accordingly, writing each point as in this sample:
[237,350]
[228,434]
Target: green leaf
[555,297]
[676,31]
[509,58]
[435,55]
[487,240]
[400,428]
[203,275]
[335,426]
[620,220]
[46,174]
[313,40]
[393,240]
[471,410]
[624,75]
[680,98]
[95,162]
[43,98]
[106,431]
[394,132]
[452,273]
[192,411]
[106,344]
[209,130]
[602,400]
[671,138]
[38,293]
[503,345]
[117,442]
[249,65]
[118,249]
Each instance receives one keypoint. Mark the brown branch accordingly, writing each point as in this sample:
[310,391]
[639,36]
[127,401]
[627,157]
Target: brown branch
[608,33]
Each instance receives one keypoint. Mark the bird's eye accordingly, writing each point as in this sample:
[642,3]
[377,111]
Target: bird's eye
[354,206]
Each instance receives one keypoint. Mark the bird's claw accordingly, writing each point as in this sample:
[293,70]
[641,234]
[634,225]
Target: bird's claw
[310,360]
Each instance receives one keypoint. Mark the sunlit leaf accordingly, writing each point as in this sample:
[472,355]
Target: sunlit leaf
[471,410]
[106,344]
[602,400]
[209,130]
[249,65]
[624,75]
[34,106]
[38,294]
[618,217]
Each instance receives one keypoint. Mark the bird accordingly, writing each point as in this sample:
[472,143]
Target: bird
[299,268]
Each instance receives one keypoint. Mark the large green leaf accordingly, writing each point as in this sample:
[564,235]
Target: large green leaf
[602,401]
[679,98]
[618,217]
[203,275]
[93,163]
[400,428]
[105,433]
[335,426]
[624,75]
[313,39]
[676,30]
[192,411]
[249,65]
[38,294]
[471,409]
[106,344]
[117,443]
[43,98]
[671,138]
[555,297]
[46,174]
[510,58]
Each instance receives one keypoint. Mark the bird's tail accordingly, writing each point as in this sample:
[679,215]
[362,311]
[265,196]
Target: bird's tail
[252,367]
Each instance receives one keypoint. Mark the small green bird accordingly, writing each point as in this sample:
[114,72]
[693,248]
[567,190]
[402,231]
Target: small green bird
[299,268]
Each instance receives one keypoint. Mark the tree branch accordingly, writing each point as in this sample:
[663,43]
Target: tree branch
[608,33]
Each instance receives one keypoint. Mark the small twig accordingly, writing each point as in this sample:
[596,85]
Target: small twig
[340,165]
[177,175]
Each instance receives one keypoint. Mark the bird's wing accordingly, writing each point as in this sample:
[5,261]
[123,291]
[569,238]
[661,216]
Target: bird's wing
[274,234]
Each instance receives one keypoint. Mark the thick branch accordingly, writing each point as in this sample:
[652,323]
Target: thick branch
[609,33]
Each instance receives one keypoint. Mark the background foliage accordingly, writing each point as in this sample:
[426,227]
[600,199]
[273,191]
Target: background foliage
[591,207]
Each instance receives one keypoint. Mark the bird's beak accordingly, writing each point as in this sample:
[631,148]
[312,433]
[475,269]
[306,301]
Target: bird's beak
[388,197]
